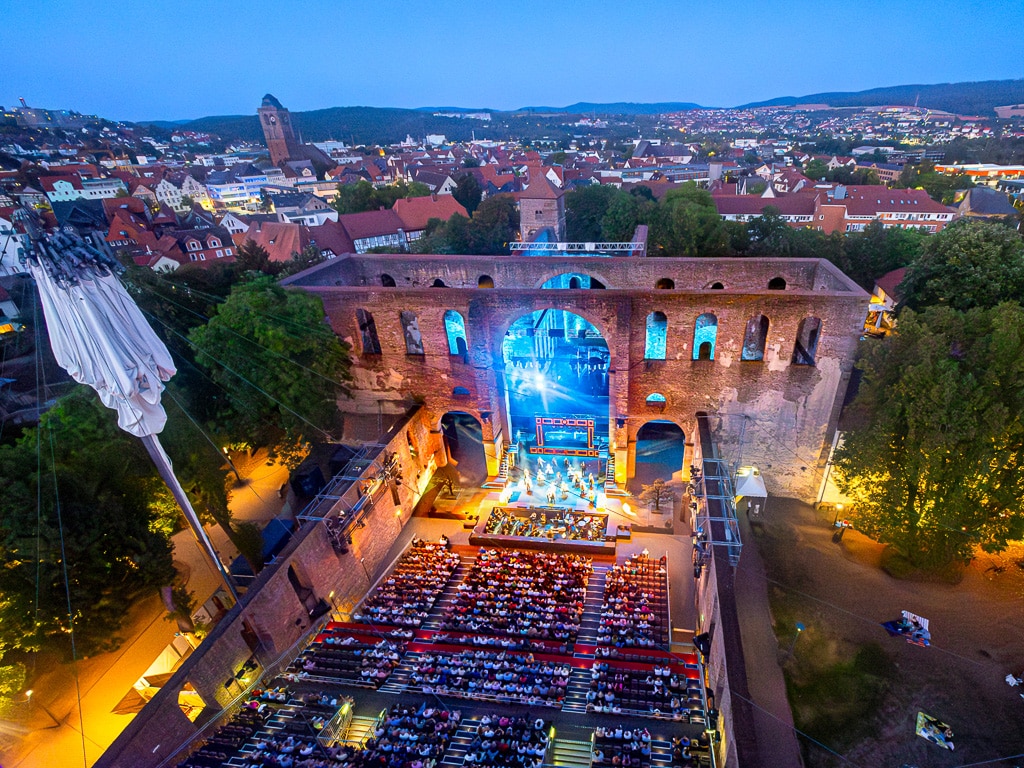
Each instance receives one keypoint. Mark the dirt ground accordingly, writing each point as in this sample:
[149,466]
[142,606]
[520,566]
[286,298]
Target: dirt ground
[841,594]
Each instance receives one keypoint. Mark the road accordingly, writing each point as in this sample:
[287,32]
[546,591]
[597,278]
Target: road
[62,733]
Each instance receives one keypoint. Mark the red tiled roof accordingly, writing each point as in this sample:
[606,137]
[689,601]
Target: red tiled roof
[540,188]
[280,239]
[47,182]
[873,199]
[890,280]
[331,236]
[371,224]
[415,212]
[797,204]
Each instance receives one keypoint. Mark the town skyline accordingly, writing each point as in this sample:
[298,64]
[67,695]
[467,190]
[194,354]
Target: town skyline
[734,54]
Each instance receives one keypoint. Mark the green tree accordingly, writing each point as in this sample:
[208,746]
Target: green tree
[468,193]
[78,493]
[935,460]
[625,212]
[310,256]
[687,224]
[253,257]
[355,198]
[879,249]
[968,264]
[386,196]
[585,208]
[280,363]
[939,186]
[816,169]
[495,224]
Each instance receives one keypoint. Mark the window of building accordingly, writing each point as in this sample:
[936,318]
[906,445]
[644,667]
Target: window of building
[806,347]
[657,336]
[755,338]
[220,253]
[705,334]
[455,330]
[368,332]
[665,284]
[387,281]
[656,398]
[485,281]
[411,331]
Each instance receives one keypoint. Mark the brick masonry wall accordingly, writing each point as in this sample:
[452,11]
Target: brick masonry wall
[772,413]
[272,609]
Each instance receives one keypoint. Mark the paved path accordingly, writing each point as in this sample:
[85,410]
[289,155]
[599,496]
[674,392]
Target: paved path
[772,715]
[106,678]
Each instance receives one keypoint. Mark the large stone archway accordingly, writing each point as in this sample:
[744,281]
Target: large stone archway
[554,362]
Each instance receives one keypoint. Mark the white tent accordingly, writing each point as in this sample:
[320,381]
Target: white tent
[749,490]
[99,336]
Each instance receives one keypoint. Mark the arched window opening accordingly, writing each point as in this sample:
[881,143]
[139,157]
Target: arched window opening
[755,338]
[485,281]
[777,284]
[717,287]
[806,347]
[455,328]
[705,334]
[368,332]
[460,392]
[387,281]
[665,284]
[411,331]
[572,281]
[656,398]
[657,336]
[438,283]
[411,443]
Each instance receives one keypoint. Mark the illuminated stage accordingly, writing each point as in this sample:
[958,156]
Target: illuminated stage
[552,529]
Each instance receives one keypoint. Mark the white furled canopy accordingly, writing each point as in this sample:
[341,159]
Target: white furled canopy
[99,336]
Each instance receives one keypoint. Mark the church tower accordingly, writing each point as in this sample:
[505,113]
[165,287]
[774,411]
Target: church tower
[277,130]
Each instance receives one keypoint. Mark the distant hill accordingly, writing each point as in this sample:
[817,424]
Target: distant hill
[978,98]
[617,108]
[363,125]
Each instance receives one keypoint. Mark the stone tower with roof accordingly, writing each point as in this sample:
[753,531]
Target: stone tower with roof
[541,207]
[277,130]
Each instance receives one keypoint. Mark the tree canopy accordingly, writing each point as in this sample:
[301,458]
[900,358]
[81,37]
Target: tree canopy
[494,225]
[968,264]
[80,493]
[935,467]
[363,196]
[468,193]
[280,363]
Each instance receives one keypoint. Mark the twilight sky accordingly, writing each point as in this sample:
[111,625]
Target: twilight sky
[190,58]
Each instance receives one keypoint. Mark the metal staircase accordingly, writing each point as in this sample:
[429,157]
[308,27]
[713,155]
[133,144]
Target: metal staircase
[501,479]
